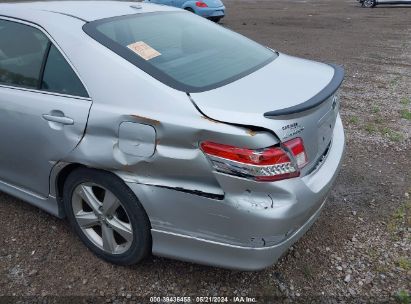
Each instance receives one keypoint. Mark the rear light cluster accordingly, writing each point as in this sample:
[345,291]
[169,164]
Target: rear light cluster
[201,4]
[270,164]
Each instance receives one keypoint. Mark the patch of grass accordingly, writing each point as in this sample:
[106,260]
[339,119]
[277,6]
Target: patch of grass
[378,120]
[402,297]
[376,126]
[404,263]
[395,136]
[381,268]
[405,114]
[405,101]
[391,134]
[353,120]
[395,81]
[401,217]
[372,253]
[370,128]
[375,109]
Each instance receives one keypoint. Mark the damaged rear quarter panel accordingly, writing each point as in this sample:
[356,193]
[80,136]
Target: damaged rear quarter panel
[177,160]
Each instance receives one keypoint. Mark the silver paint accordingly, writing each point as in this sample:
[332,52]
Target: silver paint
[196,214]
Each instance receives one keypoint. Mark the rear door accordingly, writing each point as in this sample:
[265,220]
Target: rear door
[43,106]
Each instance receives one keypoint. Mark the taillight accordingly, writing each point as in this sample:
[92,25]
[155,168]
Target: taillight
[201,4]
[296,146]
[270,164]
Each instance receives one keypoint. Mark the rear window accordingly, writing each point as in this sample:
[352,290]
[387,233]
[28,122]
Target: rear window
[184,51]
[59,77]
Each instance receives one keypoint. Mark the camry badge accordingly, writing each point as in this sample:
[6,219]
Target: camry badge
[291,130]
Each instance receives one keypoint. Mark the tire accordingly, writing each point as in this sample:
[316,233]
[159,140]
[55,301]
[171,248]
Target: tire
[117,230]
[216,19]
[369,3]
[189,9]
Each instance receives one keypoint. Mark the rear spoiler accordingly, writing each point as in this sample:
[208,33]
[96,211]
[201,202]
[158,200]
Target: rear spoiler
[317,99]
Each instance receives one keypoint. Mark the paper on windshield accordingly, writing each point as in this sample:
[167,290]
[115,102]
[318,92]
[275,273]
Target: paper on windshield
[143,50]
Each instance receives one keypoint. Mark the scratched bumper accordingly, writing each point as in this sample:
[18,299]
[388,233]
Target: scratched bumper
[250,227]
[203,251]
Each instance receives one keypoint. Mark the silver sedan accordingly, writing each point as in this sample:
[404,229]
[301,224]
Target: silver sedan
[156,131]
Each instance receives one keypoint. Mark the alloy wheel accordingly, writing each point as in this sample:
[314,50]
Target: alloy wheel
[369,3]
[102,218]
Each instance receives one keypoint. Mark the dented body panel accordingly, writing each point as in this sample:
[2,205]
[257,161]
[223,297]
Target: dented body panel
[149,134]
[250,227]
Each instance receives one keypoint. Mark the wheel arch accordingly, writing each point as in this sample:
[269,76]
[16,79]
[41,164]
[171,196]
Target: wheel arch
[189,5]
[58,178]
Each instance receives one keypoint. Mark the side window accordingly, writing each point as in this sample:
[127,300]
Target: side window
[59,77]
[22,50]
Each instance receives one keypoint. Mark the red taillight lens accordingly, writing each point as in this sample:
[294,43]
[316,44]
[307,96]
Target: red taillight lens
[268,164]
[201,4]
[268,156]
[296,146]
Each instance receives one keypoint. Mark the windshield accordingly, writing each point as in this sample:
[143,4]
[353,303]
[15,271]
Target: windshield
[184,51]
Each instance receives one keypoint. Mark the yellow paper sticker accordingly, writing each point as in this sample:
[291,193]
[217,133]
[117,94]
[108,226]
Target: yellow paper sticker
[143,50]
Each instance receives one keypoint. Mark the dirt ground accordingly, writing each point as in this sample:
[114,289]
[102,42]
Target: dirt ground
[360,248]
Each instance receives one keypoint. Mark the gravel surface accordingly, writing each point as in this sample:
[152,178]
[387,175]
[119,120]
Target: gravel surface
[359,249]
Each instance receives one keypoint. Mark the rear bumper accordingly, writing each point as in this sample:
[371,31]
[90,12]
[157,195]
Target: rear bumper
[203,251]
[250,227]
[209,12]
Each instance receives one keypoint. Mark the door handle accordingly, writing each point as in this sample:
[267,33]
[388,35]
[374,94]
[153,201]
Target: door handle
[59,119]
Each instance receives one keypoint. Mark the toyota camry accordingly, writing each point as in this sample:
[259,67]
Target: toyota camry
[151,138]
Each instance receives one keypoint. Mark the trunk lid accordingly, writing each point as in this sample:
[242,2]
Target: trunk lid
[292,97]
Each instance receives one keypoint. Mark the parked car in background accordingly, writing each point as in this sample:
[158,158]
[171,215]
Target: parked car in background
[373,3]
[154,130]
[210,9]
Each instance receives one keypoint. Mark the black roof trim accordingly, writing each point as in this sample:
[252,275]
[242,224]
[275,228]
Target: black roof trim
[317,99]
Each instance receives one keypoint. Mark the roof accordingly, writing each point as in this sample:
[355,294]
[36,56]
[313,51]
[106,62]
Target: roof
[83,10]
